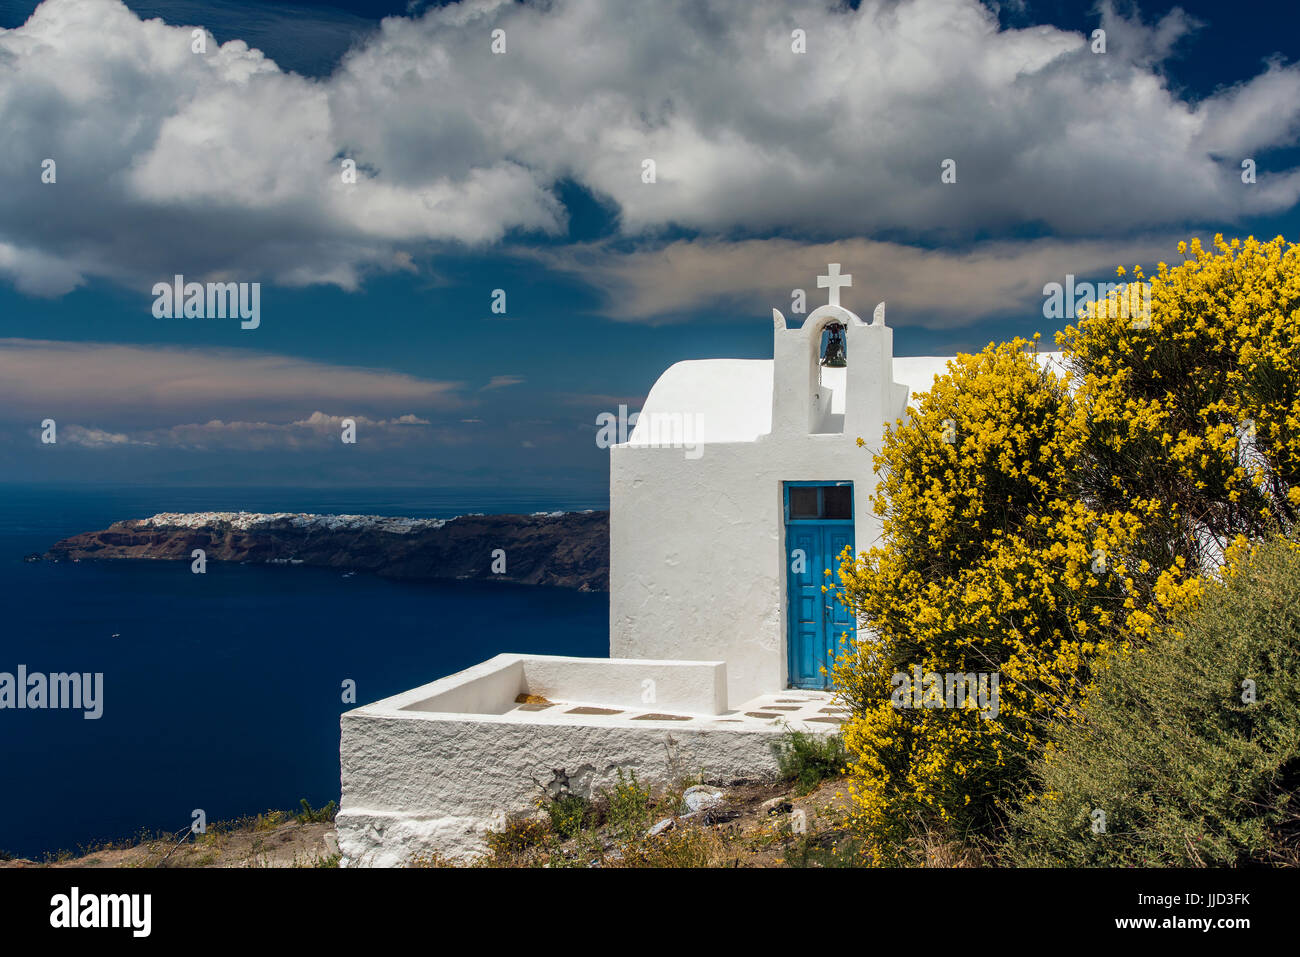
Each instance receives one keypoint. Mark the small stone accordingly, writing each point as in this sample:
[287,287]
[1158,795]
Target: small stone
[661,717]
[665,825]
[718,815]
[700,797]
[777,805]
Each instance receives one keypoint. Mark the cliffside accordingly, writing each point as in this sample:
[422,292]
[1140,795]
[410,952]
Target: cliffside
[563,549]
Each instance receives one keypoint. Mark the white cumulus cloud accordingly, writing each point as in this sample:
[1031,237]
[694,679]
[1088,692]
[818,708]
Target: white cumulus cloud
[171,161]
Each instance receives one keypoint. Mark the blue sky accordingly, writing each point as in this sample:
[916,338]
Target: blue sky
[522,172]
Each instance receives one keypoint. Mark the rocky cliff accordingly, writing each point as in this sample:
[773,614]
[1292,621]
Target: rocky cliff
[563,549]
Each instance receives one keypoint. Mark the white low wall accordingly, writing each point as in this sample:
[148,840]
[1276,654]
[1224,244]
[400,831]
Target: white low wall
[418,783]
[417,779]
[693,687]
[486,688]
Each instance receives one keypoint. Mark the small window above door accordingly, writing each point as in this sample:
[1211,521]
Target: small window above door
[805,502]
[817,502]
[837,501]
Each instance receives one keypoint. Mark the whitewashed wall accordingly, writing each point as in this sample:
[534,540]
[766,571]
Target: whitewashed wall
[697,544]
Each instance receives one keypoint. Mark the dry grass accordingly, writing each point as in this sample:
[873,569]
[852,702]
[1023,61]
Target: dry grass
[753,838]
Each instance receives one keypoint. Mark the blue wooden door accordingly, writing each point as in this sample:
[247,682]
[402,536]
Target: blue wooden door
[818,527]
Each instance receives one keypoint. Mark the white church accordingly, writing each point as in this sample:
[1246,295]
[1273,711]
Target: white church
[736,492]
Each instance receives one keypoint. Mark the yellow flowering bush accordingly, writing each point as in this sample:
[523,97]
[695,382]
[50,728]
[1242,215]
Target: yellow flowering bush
[1034,528]
[992,565]
[1199,400]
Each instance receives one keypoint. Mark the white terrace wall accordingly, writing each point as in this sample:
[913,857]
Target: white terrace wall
[432,769]
[417,783]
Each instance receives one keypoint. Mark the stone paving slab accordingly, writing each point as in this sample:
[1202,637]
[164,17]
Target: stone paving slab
[799,710]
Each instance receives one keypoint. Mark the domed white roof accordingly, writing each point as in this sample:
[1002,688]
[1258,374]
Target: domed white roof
[731,399]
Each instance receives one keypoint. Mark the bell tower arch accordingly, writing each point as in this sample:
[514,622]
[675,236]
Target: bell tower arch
[849,389]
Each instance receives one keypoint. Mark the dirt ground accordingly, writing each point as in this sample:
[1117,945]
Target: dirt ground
[767,835]
[265,842]
[764,825]
[759,825]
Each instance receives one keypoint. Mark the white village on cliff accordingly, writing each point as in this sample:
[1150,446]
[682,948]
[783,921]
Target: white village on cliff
[730,502]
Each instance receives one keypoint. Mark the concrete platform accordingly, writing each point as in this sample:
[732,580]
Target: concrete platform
[433,769]
[805,713]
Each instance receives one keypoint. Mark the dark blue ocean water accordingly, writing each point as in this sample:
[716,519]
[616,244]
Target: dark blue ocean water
[223,690]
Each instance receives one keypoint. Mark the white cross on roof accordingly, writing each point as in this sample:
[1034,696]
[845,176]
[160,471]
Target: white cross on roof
[835,281]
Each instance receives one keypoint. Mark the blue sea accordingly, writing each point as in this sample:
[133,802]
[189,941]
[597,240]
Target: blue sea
[223,691]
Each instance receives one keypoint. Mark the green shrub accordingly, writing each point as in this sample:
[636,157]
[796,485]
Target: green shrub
[628,809]
[320,815]
[809,759]
[1186,772]
[568,813]
[270,820]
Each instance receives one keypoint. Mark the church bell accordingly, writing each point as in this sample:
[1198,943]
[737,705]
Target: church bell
[834,358]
